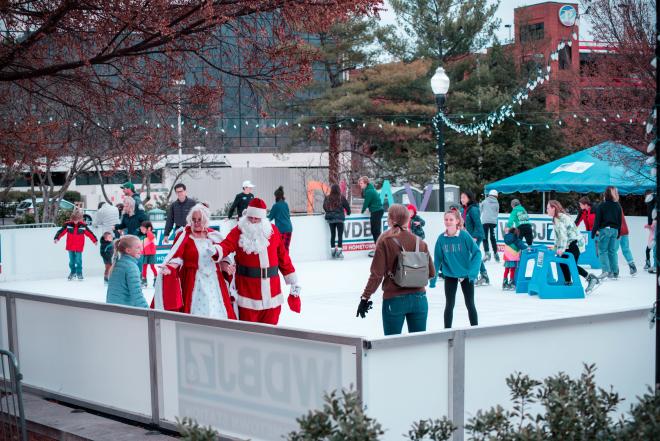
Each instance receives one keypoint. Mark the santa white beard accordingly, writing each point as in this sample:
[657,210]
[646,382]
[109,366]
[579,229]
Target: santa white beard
[254,237]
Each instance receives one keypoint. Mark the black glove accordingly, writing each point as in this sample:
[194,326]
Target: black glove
[364,307]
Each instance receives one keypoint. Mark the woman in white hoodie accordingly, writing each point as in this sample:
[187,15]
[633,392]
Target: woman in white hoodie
[107,216]
[490,209]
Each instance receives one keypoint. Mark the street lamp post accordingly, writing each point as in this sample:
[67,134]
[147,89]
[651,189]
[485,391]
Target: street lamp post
[440,86]
[179,83]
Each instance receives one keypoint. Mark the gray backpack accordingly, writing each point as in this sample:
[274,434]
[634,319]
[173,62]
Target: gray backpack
[412,267]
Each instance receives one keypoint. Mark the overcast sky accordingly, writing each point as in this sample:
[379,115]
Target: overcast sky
[504,13]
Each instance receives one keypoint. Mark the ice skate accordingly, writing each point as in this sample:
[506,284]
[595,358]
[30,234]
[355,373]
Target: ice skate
[593,282]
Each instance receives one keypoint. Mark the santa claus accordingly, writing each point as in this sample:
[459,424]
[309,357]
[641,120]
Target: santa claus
[191,279]
[260,254]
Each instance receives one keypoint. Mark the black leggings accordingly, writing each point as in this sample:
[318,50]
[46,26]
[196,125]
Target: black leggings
[336,229]
[376,222]
[451,286]
[526,233]
[575,251]
[489,231]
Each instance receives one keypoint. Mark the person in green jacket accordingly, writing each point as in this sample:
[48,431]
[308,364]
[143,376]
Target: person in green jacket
[375,207]
[519,219]
[279,213]
[124,287]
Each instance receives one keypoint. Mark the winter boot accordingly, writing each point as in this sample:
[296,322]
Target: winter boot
[333,251]
[340,254]
[505,285]
[80,277]
[71,276]
[593,282]
[614,276]
[647,265]
[652,270]
[372,253]
[497,257]
[633,268]
[486,256]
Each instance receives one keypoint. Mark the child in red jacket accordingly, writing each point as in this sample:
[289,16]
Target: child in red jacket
[76,230]
[148,250]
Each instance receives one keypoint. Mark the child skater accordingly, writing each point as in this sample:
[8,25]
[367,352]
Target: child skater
[458,257]
[107,250]
[75,230]
[416,225]
[148,250]
[513,245]
[124,283]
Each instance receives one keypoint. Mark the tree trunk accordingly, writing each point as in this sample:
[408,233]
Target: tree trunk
[98,167]
[333,154]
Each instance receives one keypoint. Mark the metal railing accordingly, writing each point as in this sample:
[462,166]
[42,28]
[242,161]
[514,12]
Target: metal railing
[24,226]
[12,414]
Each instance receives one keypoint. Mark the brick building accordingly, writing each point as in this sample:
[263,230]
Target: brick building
[539,29]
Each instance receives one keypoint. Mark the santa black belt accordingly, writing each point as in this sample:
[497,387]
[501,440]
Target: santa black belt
[258,273]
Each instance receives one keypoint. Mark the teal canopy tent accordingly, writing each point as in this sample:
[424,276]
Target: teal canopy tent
[590,170]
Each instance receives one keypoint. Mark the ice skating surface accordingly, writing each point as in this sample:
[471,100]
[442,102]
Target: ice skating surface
[331,291]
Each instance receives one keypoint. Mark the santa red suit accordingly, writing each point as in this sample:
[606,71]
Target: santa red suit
[260,254]
[196,283]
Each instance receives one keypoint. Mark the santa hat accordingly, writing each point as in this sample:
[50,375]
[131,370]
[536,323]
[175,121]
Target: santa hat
[256,208]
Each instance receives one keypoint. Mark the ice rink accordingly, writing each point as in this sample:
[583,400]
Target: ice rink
[331,292]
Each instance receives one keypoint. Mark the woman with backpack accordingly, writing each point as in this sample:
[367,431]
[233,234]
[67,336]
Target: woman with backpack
[336,208]
[404,296]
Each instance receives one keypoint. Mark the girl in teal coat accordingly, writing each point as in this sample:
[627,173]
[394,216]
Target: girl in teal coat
[458,257]
[124,287]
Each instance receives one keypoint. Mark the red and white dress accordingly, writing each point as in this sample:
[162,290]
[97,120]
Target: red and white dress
[204,290]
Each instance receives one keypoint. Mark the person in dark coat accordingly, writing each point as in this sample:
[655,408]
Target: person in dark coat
[607,226]
[178,211]
[336,208]
[131,219]
[241,200]
[472,222]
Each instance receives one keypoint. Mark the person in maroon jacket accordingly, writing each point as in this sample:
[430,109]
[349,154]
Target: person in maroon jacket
[75,230]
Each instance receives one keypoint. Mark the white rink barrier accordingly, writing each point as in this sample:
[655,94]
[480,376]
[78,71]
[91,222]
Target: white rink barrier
[27,254]
[252,381]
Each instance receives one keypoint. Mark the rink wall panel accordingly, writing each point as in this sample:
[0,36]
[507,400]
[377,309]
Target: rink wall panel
[619,344]
[248,384]
[406,380]
[91,355]
[31,254]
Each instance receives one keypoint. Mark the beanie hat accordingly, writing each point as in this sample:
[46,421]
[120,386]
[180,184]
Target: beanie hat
[412,208]
[128,185]
[256,208]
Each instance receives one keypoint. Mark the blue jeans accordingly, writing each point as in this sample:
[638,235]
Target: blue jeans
[412,308]
[482,268]
[75,262]
[608,245]
[624,243]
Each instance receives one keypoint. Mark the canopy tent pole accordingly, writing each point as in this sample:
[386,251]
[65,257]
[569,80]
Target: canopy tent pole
[543,202]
